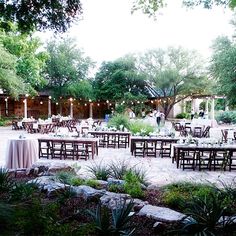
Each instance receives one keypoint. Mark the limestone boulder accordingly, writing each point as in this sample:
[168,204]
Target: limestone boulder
[87,192]
[161,214]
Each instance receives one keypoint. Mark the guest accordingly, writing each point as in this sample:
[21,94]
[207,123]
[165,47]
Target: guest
[143,113]
[192,114]
[201,113]
[157,114]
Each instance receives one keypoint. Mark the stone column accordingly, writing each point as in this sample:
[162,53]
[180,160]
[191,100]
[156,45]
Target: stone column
[213,109]
[207,111]
[183,106]
[91,110]
[49,107]
[25,106]
[6,100]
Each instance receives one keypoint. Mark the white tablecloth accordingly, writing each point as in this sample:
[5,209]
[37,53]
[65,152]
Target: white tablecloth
[21,153]
[204,122]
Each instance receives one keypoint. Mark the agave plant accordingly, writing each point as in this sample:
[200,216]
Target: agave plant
[6,182]
[119,224]
[206,216]
[99,171]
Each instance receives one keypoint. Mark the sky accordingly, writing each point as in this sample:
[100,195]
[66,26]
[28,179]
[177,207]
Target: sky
[108,30]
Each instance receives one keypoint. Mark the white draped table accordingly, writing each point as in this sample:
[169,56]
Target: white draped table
[21,153]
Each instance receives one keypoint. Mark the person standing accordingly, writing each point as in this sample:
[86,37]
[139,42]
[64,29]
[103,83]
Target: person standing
[158,117]
[192,114]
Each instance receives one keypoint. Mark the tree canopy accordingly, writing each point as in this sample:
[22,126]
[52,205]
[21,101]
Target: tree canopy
[117,78]
[223,66]
[67,69]
[31,15]
[150,7]
[9,81]
[30,63]
[175,73]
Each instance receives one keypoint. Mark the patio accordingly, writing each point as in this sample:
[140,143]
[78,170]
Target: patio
[160,171]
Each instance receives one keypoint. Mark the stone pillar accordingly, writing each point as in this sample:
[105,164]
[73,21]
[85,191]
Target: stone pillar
[25,106]
[49,107]
[213,109]
[183,106]
[71,109]
[91,110]
[207,111]
[6,105]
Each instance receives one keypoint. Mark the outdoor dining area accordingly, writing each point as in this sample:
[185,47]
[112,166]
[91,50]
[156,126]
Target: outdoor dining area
[194,145]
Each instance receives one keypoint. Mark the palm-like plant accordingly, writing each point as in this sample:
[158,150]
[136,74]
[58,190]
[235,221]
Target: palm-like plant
[6,182]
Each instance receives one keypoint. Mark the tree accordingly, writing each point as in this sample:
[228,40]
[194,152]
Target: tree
[9,81]
[223,67]
[151,7]
[67,69]
[30,63]
[117,78]
[39,15]
[175,74]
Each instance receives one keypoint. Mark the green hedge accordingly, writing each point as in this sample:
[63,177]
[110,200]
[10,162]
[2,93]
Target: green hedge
[227,117]
[183,116]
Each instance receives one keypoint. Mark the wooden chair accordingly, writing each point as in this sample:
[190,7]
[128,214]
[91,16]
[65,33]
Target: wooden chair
[150,148]
[44,149]
[166,148]
[123,141]
[15,126]
[57,149]
[219,160]
[188,159]
[205,133]
[204,160]
[139,148]
[112,140]
[197,132]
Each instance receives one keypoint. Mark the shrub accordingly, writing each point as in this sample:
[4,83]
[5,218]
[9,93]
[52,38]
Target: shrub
[139,127]
[99,171]
[76,181]
[205,213]
[175,195]
[5,180]
[227,117]
[132,185]
[119,120]
[118,169]
[65,176]
[92,183]
[116,188]
[120,222]
[183,115]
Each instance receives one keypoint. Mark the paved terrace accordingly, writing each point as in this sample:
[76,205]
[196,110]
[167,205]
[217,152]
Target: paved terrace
[160,171]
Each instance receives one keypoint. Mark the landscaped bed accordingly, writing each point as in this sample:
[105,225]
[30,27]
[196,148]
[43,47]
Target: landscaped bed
[52,205]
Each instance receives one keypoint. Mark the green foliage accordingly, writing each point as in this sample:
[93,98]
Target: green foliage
[39,15]
[10,82]
[118,79]
[67,69]
[175,73]
[99,171]
[118,225]
[118,169]
[132,185]
[176,195]
[92,183]
[76,181]
[116,188]
[23,191]
[205,213]
[227,117]
[222,68]
[5,180]
[140,173]
[183,116]
[119,120]
[65,176]
[141,128]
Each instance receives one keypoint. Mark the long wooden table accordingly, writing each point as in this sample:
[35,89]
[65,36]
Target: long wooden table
[161,139]
[179,148]
[112,138]
[86,141]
